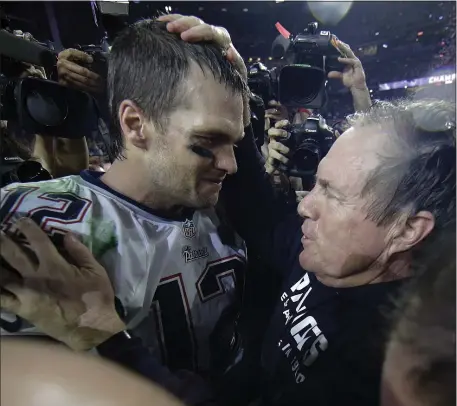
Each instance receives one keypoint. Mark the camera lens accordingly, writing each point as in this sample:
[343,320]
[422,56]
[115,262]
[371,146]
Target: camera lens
[307,156]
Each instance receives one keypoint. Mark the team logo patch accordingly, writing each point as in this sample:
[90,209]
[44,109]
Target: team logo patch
[190,254]
[188,229]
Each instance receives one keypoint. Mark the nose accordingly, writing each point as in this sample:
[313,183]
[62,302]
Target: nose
[307,207]
[226,161]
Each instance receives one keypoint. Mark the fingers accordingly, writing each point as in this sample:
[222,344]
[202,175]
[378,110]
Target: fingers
[79,253]
[347,50]
[335,75]
[14,255]
[71,54]
[300,195]
[276,133]
[277,146]
[282,124]
[349,61]
[9,302]
[81,73]
[207,32]
[39,242]
[169,17]
[183,23]
[274,153]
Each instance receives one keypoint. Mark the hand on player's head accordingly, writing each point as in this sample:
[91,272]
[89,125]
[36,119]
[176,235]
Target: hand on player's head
[71,303]
[193,29]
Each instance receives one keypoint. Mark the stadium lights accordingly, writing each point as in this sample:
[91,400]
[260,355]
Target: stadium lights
[250,60]
[384,45]
[168,9]
[376,33]
[259,59]
[224,10]
[245,10]
[270,58]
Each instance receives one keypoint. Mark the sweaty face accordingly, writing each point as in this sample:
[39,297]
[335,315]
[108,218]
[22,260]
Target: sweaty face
[340,245]
[195,153]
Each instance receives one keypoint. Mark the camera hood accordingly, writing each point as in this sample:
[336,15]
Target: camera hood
[302,85]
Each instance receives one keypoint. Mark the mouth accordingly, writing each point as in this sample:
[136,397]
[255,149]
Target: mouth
[306,237]
[215,183]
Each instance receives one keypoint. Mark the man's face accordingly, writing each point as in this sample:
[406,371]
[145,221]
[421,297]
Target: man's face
[338,239]
[209,117]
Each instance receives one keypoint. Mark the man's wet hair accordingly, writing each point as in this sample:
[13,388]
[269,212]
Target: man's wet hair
[416,169]
[147,64]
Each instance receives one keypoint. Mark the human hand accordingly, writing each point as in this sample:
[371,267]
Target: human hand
[276,151]
[72,73]
[193,29]
[72,303]
[277,112]
[33,71]
[353,75]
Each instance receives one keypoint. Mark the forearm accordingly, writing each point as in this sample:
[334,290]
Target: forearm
[361,99]
[131,354]
[252,204]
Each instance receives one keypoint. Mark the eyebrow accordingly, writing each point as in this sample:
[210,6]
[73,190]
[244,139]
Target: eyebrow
[327,185]
[218,134]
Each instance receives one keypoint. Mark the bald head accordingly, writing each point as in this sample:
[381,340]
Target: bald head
[35,374]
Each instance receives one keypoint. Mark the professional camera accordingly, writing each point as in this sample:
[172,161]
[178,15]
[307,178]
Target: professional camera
[263,82]
[40,106]
[32,106]
[306,60]
[308,142]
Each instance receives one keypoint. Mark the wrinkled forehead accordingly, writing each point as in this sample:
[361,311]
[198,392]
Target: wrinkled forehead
[353,157]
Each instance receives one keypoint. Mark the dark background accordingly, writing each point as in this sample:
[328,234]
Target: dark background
[420,36]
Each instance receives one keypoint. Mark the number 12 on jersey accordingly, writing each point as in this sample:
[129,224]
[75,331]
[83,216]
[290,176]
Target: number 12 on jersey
[173,315]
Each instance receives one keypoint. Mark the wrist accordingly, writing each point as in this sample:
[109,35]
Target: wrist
[359,89]
[86,338]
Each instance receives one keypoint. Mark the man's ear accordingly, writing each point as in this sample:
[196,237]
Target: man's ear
[132,122]
[412,231]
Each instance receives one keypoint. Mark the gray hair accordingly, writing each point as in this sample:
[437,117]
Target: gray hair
[419,170]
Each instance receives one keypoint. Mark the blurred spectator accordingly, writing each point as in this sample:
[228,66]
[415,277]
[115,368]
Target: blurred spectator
[419,368]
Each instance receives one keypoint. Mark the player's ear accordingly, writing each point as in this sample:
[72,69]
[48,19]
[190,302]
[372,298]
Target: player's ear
[132,122]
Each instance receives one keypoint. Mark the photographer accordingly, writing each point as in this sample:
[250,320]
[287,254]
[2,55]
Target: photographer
[352,77]
[363,222]
[36,157]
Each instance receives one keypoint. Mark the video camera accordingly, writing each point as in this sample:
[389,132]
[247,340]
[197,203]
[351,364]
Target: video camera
[40,106]
[308,142]
[31,105]
[300,81]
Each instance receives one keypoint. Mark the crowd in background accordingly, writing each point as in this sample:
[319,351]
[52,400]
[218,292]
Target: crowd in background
[421,334]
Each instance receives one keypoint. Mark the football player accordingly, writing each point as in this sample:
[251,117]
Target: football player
[150,218]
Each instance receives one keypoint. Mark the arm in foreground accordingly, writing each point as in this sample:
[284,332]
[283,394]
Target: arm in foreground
[75,304]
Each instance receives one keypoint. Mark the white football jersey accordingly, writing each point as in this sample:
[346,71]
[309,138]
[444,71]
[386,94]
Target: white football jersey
[174,279]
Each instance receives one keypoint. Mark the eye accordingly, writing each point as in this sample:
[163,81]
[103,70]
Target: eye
[207,140]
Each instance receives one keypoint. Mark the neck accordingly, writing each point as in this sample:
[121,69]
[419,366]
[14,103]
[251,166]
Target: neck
[121,178]
[397,268]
